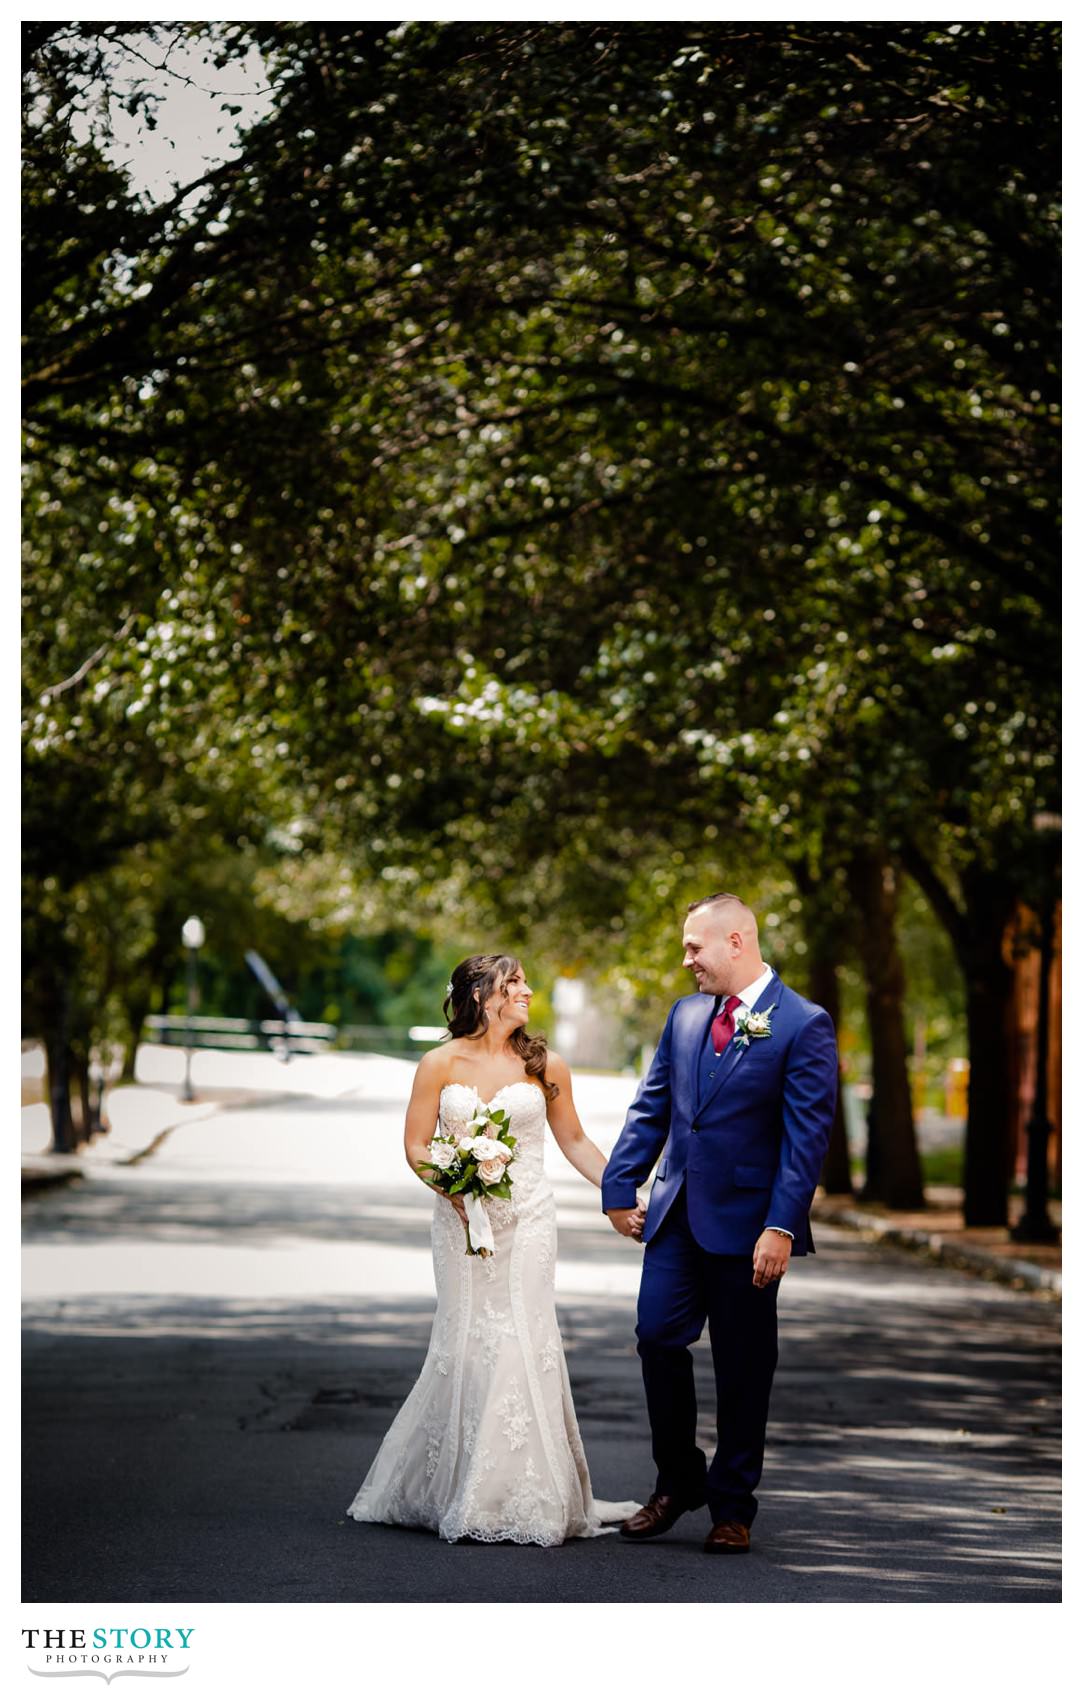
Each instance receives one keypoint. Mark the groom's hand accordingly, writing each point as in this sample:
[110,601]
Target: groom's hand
[628,1222]
[770,1257]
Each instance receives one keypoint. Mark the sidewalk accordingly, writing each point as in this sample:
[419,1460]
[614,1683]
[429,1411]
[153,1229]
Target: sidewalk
[139,1115]
[938,1232]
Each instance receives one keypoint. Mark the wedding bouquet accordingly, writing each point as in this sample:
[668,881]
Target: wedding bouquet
[475,1165]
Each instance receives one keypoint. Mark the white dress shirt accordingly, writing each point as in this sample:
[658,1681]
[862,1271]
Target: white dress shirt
[759,985]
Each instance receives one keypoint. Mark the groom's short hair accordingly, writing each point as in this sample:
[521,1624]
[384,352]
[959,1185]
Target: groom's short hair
[725,897]
[717,897]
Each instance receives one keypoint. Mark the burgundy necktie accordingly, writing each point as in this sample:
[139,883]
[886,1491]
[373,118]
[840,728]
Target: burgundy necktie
[723,1024]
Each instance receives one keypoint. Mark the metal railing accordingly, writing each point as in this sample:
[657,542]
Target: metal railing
[229,1033]
[226,1033]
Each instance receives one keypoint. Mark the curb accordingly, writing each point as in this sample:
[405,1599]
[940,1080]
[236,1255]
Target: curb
[943,1248]
[38,1173]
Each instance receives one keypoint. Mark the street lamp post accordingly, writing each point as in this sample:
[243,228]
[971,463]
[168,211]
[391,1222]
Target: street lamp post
[1034,1225]
[192,938]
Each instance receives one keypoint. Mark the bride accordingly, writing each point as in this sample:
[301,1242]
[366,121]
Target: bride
[486,1446]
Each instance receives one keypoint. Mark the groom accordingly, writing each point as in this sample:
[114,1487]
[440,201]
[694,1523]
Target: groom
[738,1103]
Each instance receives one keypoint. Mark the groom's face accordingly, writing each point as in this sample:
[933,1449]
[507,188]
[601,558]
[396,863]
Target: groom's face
[713,948]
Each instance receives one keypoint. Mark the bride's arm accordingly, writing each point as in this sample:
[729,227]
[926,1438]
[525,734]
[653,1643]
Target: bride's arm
[422,1113]
[581,1152]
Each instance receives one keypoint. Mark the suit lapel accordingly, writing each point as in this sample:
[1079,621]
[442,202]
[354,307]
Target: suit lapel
[699,1014]
[735,1052]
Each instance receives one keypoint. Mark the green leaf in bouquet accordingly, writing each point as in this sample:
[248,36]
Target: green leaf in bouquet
[467,1175]
[499,1189]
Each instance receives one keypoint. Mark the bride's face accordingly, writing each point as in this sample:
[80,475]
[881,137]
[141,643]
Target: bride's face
[510,1005]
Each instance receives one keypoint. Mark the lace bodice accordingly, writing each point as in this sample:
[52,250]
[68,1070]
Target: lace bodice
[525,1104]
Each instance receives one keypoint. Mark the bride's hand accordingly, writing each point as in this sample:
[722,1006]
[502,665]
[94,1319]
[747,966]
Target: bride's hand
[629,1222]
[456,1201]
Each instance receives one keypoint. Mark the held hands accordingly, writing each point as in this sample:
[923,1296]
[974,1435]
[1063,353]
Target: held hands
[770,1257]
[629,1222]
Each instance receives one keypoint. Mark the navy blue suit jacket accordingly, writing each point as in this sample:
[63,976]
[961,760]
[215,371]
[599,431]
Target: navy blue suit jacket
[750,1149]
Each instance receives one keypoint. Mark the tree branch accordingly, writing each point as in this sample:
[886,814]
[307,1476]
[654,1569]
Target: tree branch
[944,906]
[52,691]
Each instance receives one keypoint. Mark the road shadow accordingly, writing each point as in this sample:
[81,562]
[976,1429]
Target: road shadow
[911,1456]
[215,1212]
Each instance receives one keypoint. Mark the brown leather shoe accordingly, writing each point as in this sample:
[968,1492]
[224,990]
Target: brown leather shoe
[659,1514]
[727,1536]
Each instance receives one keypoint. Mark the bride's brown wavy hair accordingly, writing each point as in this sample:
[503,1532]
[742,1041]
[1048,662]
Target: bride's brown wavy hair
[473,982]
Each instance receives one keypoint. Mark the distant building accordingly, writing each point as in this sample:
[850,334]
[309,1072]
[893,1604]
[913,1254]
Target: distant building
[585,1034]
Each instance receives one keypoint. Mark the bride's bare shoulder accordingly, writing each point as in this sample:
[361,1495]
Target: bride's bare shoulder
[434,1067]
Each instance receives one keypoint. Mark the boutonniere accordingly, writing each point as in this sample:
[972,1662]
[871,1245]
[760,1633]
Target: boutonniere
[752,1024]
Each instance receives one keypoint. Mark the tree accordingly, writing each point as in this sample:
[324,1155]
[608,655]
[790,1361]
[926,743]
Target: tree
[587,397]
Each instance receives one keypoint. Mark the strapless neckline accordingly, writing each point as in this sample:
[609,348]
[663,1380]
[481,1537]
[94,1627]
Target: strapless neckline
[506,1088]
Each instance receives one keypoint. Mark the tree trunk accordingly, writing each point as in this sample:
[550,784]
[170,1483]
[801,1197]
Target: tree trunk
[58,1061]
[824,990]
[874,1163]
[977,928]
[82,1076]
[893,1174]
[136,1011]
[988,1156]
[154,983]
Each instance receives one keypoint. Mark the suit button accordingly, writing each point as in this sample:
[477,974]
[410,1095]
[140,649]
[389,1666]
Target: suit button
[695,1130]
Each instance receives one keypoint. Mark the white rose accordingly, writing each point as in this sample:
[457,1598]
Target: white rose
[466,1144]
[491,1171]
[486,1149]
[442,1153]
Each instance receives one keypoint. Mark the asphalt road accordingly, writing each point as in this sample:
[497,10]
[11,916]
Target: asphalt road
[217,1338]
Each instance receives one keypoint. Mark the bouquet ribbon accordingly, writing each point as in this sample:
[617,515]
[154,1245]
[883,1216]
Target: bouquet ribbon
[481,1229]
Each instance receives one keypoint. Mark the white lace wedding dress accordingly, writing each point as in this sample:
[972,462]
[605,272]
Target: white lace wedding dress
[486,1445]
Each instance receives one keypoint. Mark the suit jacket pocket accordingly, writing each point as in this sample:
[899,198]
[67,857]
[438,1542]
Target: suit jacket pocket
[744,1175]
